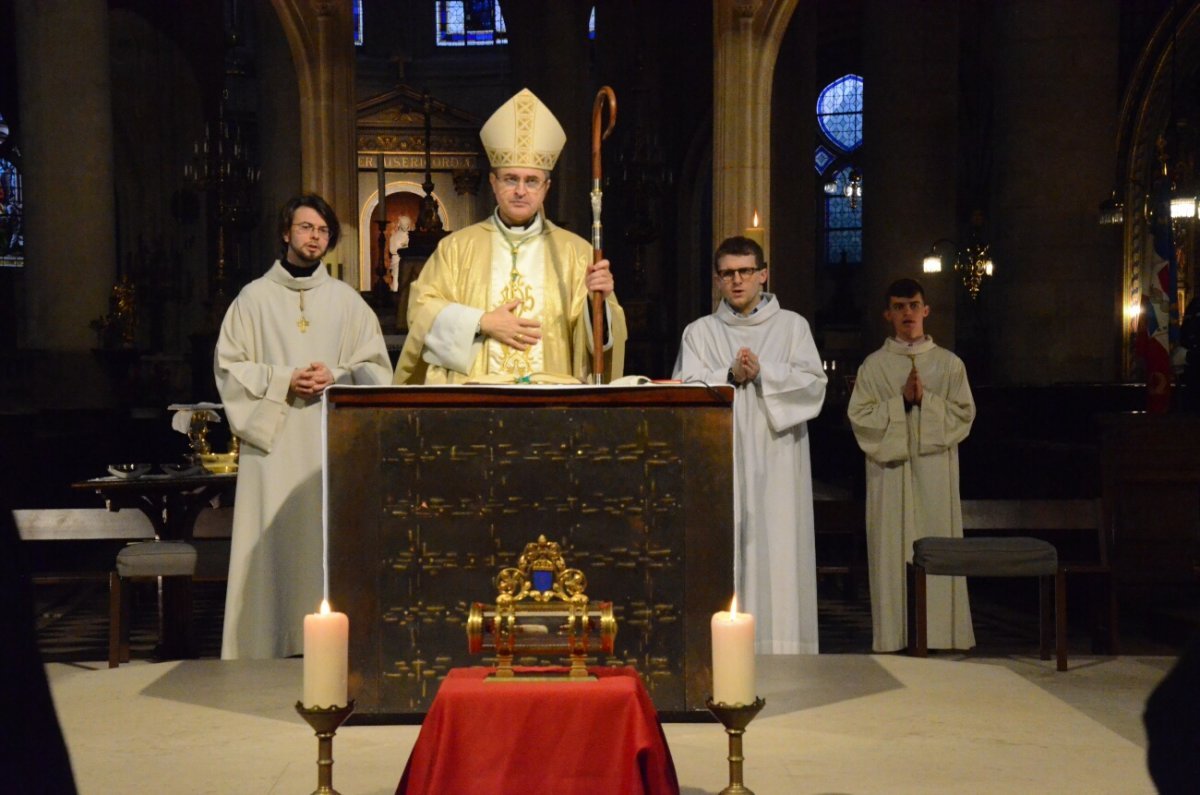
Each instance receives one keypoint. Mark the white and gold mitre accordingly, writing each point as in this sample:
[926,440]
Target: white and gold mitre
[523,133]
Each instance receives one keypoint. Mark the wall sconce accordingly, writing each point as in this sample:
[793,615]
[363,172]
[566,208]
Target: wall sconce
[854,188]
[1183,206]
[973,263]
[933,260]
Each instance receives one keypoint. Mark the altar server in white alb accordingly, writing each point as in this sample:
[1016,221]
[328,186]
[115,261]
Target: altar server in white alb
[768,353]
[506,299]
[287,336]
[910,408]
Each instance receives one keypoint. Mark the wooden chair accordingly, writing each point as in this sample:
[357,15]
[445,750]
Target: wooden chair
[989,557]
[171,564]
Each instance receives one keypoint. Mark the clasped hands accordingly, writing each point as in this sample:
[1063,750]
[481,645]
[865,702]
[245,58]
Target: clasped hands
[504,325]
[913,389]
[311,381]
[745,366]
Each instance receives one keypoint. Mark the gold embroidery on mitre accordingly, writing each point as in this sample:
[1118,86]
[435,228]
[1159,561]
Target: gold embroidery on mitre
[523,133]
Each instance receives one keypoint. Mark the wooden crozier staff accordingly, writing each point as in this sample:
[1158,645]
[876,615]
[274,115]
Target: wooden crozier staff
[604,96]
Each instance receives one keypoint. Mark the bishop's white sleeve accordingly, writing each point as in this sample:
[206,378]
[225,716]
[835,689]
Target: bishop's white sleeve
[793,390]
[451,342]
[587,324]
[878,418]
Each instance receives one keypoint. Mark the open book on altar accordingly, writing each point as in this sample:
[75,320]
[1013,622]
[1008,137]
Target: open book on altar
[549,378]
[532,378]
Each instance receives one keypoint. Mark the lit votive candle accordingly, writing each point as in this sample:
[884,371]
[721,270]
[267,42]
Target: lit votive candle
[733,656]
[326,658]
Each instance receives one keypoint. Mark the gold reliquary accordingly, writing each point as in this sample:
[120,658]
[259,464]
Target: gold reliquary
[541,609]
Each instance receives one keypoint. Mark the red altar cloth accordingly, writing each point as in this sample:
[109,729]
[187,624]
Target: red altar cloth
[568,738]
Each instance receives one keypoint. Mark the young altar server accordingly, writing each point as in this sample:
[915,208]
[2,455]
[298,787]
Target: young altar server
[768,353]
[910,408]
[287,336]
[508,297]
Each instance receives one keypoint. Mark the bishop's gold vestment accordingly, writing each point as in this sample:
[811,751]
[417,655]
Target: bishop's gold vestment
[460,279]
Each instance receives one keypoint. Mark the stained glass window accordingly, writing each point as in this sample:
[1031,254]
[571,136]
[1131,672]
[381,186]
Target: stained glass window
[592,24]
[822,159]
[358,23]
[839,112]
[840,122]
[469,23]
[12,209]
[843,224]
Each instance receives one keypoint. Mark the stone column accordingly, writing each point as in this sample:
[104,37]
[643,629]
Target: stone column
[319,34]
[746,35]
[67,162]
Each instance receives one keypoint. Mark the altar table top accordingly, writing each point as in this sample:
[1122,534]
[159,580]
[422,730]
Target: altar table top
[597,737]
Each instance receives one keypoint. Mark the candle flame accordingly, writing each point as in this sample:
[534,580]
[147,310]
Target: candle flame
[733,608]
[755,224]
[324,607]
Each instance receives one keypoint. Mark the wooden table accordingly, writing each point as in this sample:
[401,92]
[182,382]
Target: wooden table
[566,738]
[171,503]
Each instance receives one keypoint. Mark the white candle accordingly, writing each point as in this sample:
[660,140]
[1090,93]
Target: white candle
[755,232]
[326,658]
[733,656]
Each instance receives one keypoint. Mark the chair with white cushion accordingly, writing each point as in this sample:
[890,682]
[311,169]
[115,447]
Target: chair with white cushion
[171,565]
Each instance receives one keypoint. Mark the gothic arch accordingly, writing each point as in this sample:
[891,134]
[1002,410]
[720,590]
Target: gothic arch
[1166,70]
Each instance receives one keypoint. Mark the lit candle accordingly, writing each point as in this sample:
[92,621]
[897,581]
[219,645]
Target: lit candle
[326,636]
[755,232]
[733,656]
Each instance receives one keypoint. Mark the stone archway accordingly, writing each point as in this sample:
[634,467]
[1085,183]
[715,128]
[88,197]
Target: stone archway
[1168,68]
[319,35]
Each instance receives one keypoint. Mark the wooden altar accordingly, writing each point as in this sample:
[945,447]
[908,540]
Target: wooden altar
[433,489]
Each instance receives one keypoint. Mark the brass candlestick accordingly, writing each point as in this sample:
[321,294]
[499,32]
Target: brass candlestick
[735,718]
[325,722]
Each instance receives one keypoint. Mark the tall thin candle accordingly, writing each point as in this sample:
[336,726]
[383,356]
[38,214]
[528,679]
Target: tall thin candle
[382,190]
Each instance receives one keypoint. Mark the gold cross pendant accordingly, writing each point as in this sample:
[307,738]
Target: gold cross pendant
[302,323]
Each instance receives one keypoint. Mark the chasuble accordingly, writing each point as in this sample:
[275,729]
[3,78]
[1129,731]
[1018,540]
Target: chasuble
[912,483]
[276,324]
[774,555]
[482,267]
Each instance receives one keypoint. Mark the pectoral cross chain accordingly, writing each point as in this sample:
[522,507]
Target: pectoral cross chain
[302,323]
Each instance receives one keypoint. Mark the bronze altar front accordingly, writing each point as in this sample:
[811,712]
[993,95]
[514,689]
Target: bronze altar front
[433,489]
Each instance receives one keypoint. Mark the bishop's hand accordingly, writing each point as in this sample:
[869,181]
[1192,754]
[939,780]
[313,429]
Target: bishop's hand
[599,278]
[503,325]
